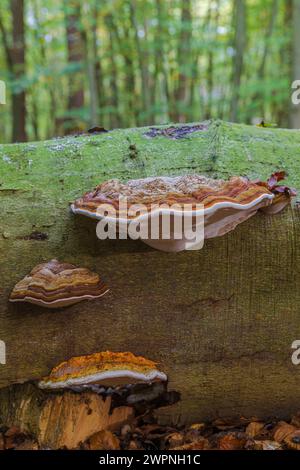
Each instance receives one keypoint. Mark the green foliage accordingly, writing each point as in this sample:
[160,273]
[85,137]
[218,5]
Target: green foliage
[147,62]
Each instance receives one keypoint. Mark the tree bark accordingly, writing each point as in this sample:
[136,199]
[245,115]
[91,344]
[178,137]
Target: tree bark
[225,314]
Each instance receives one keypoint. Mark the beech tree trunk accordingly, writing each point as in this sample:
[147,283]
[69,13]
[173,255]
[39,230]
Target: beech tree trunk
[239,48]
[183,53]
[75,57]
[220,321]
[295,109]
[18,69]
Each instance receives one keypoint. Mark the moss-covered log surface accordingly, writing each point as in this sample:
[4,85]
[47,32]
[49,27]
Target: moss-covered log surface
[220,320]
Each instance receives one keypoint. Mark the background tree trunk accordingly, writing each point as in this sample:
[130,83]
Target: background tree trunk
[113,82]
[238,57]
[142,57]
[259,97]
[75,45]
[295,110]
[97,63]
[183,54]
[283,114]
[18,70]
[225,314]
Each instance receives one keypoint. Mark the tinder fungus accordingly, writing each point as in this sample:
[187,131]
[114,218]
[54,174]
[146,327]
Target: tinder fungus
[56,284]
[222,204]
[107,369]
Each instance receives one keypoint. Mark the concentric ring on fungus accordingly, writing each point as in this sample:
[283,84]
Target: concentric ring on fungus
[54,285]
[224,204]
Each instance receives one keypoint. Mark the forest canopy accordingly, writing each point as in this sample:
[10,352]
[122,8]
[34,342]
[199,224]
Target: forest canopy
[72,64]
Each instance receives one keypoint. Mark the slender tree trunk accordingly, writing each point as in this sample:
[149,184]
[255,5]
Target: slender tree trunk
[93,91]
[183,60]
[113,73]
[143,65]
[51,127]
[259,97]
[98,72]
[295,110]
[238,58]
[35,116]
[161,73]
[209,65]
[274,11]
[283,113]
[5,41]
[18,70]
[132,100]
[76,57]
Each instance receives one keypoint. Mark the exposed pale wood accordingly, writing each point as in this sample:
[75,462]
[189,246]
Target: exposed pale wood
[60,420]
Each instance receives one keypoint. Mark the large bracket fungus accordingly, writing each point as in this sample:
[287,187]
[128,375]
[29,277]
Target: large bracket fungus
[107,369]
[221,204]
[54,284]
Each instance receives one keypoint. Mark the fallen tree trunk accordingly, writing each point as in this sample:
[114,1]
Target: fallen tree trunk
[220,320]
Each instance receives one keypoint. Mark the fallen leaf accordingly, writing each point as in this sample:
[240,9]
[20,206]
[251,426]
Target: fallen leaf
[175,439]
[104,440]
[27,445]
[263,445]
[295,421]
[126,429]
[133,446]
[197,427]
[283,430]
[194,431]
[293,440]
[230,423]
[232,441]
[12,431]
[254,428]
[200,444]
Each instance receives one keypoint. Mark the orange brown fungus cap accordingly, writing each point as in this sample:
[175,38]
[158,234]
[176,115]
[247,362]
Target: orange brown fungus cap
[56,284]
[188,189]
[219,205]
[105,368]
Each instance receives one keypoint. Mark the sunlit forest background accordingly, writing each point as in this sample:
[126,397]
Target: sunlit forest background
[72,64]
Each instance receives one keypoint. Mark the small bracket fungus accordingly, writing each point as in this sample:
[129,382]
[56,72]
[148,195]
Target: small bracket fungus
[56,284]
[221,204]
[107,369]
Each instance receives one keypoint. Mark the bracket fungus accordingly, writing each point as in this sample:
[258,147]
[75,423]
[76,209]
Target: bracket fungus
[107,369]
[214,206]
[55,284]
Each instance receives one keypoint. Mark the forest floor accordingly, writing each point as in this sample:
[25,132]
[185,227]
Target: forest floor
[146,434]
